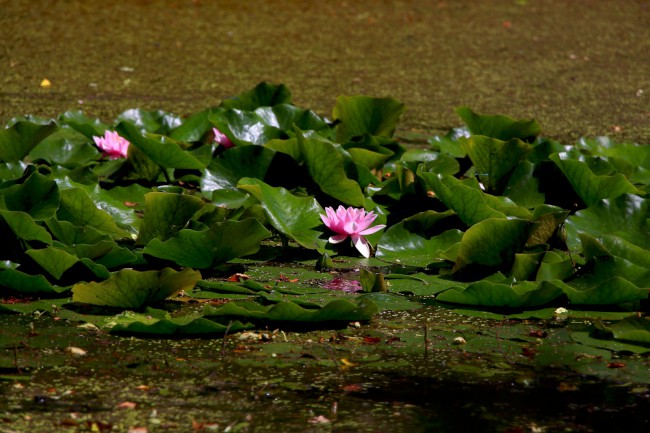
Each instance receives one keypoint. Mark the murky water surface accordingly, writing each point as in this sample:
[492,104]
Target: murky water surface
[353,379]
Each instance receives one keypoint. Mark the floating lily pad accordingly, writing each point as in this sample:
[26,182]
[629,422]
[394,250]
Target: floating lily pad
[337,310]
[134,289]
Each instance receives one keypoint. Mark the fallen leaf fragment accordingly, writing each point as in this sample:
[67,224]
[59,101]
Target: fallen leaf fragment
[566,387]
[459,340]
[89,326]
[199,426]
[320,419]
[539,333]
[287,279]
[69,422]
[616,365]
[96,426]
[75,351]
[236,278]
[353,387]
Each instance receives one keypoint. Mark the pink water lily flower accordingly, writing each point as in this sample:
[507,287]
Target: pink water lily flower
[222,139]
[112,145]
[351,222]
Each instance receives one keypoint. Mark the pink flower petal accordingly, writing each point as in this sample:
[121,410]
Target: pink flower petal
[372,230]
[222,139]
[337,238]
[361,244]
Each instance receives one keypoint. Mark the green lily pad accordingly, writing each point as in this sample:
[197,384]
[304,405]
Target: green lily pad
[500,127]
[359,115]
[408,243]
[133,289]
[632,329]
[54,260]
[20,138]
[162,150]
[78,208]
[66,147]
[205,249]
[325,166]
[468,201]
[492,242]
[24,227]
[160,323]
[243,161]
[296,217]
[165,214]
[523,187]
[625,217]
[21,282]
[83,124]
[494,159]
[158,122]
[489,294]
[263,95]
[334,311]
[37,195]
[590,187]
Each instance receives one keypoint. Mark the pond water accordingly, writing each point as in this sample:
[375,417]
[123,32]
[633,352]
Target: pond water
[579,67]
[346,380]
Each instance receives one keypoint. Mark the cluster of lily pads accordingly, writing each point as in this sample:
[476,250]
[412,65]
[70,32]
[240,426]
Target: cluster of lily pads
[489,215]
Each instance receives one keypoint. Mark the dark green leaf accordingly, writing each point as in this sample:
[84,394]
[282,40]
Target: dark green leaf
[157,122]
[24,283]
[165,214]
[359,115]
[24,227]
[263,95]
[66,147]
[162,150]
[499,127]
[242,161]
[325,166]
[494,159]
[337,310]
[148,323]
[38,196]
[77,208]
[208,248]
[625,217]
[469,202]
[492,242]
[133,289]
[590,187]
[409,243]
[86,126]
[295,217]
[20,138]
[489,294]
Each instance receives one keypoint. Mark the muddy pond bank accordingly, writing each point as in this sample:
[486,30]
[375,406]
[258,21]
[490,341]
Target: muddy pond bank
[580,67]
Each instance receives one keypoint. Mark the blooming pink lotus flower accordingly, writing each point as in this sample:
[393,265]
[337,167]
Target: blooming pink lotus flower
[222,139]
[112,145]
[351,222]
